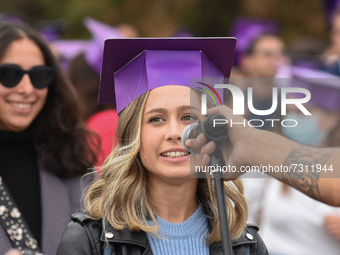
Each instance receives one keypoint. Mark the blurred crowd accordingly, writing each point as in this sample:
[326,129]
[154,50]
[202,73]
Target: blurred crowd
[290,223]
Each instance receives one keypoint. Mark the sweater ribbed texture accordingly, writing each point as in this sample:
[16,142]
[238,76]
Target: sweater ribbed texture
[186,238]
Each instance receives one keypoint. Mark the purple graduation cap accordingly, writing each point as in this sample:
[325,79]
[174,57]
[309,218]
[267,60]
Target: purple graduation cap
[94,50]
[247,30]
[324,87]
[133,66]
[68,49]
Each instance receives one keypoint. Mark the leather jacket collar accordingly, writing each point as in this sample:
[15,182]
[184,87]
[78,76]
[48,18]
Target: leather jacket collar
[125,236]
[128,242]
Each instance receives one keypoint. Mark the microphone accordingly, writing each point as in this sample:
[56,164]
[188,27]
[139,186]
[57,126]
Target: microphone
[214,128]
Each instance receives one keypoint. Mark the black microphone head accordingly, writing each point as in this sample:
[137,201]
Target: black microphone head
[214,127]
[186,136]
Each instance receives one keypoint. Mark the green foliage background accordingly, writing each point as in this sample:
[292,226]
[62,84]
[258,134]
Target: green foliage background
[162,17]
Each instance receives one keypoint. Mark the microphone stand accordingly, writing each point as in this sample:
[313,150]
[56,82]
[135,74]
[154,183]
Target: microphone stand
[214,129]
[216,133]
[217,160]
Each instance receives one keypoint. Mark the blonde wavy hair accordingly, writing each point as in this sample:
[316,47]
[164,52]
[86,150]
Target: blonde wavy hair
[121,194]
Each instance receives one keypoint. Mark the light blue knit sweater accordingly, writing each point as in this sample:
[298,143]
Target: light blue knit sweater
[186,238]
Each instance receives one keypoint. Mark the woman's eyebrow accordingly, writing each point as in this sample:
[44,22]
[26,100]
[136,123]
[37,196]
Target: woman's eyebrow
[162,110]
[187,107]
[179,108]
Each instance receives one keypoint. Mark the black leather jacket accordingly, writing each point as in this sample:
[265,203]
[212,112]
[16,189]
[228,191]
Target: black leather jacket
[84,236]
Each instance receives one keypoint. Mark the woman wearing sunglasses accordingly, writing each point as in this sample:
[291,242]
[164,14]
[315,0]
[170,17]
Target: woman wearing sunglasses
[43,144]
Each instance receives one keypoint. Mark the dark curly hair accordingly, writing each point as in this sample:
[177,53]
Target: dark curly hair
[63,141]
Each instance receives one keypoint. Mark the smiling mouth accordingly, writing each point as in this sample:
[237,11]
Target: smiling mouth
[22,106]
[175,154]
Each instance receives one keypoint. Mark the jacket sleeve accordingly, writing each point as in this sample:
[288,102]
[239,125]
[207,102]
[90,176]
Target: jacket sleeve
[74,241]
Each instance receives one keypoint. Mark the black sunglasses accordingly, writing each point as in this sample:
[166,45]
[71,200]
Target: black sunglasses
[41,76]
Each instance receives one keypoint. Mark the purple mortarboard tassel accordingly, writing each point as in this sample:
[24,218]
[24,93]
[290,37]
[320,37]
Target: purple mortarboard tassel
[100,32]
[247,30]
[134,66]
[324,87]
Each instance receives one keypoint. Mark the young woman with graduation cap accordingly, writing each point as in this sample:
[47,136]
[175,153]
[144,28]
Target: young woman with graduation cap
[144,201]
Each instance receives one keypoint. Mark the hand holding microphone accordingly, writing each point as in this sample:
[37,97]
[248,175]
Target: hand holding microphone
[214,128]
[233,145]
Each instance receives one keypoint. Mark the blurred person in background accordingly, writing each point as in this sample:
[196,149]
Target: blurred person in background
[84,72]
[331,55]
[259,52]
[43,143]
[128,30]
[290,222]
[306,52]
[182,32]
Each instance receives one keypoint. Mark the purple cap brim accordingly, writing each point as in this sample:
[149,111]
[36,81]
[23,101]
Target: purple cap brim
[119,52]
